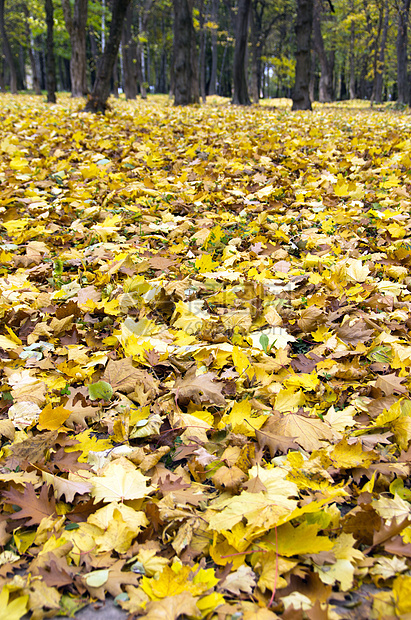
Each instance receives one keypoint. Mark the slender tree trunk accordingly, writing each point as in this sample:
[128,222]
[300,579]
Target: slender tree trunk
[195,79]
[50,60]
[7,52]
[403,11]
[101,89]
[352,60]
[202,67]
[103,25]
[255,58]
[222,68]
[142,72]
[184,47]
[303,29]
[33,65]
[2,85]
[325,94]
[380,64]
[162,74]
[129,49]
[212,90]
[76,27]
[21,69]
[240,95]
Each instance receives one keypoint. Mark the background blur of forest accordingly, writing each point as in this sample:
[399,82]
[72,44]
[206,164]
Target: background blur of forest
[358,47]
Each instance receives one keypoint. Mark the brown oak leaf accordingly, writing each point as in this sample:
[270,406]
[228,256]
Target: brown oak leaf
[199,389]
[122,375]
[32,507]
[391,384]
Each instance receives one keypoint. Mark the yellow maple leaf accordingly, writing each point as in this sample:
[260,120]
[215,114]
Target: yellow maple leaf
[120,484]
[119,525]
[289,400]
[347,455]
[173,580]
[242,419]
[86,443]
[12,610]
[402,594]
[205,263]
[172,607]
[52,418]
[298,540]
[261,510]
[241,362]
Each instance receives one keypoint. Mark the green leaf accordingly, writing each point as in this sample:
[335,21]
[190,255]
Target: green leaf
[101,389]
[264,341]
[97,578]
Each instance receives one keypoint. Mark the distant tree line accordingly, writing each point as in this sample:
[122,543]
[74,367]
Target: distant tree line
[310,50]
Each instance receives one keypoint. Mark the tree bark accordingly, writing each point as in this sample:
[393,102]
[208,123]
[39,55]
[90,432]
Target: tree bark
[129,48]
[403,11]
[240,95]
[303,29]
[162,74]
[212,90]
[101,90]
[7,52]
[379,54]
[185,79]
[50,59]
[255,57]
[2,85]
[352,56]
[325,94]
[142,28]
[202,68]
[30,47]
[76,27]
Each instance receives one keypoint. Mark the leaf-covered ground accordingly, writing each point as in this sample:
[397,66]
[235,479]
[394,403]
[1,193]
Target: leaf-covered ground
[205,356]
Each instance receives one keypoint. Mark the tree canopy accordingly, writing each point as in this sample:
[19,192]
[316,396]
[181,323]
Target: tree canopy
[242,50]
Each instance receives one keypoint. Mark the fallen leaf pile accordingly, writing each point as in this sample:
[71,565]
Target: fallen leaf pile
[205,360]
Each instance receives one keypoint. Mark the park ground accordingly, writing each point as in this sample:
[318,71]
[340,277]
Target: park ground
[205,360]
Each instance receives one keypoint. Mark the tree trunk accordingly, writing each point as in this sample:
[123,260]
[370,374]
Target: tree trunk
[303,29]
[352,59]
[380,64]
[50,60]
[94,50]
[212,90]
[185,78]
[7,52]
[142,72]
[21,75]
[255,58]
[202,67]
[103,25]
[240,95]
[101,89]
[114,88]
[30,40]
[76,27]
[325,94]
[129,49]
[2,85]
[311,86]
[403,11]
[162,74]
